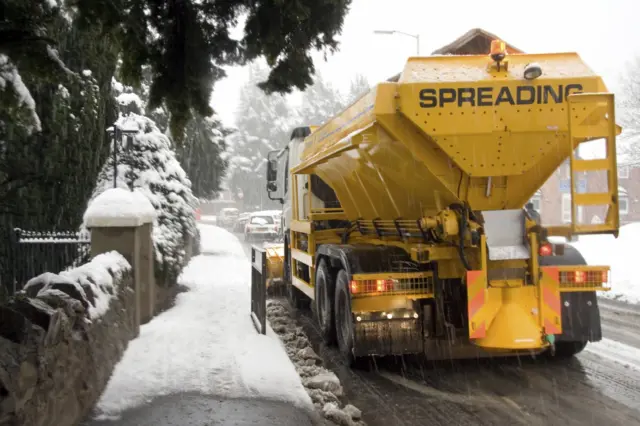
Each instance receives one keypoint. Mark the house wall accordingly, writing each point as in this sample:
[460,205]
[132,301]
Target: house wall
[555,189]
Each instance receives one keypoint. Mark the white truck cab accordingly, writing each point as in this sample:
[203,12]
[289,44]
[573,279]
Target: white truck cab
[279,164]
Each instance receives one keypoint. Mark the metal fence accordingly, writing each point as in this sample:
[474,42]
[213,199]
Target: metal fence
[35,252]
[259,288]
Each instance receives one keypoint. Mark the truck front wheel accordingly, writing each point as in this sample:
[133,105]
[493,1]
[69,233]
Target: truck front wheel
[324,290]
[344,318]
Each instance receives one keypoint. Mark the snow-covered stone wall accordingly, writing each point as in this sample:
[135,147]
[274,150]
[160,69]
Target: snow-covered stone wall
[60,338]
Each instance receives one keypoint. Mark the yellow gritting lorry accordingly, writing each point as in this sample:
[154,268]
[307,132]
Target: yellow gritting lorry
[405,223]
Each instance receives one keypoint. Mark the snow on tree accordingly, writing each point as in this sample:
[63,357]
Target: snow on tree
[628,113]
[15,95]
[148,162]
[264,123]
[320,102]
[201,155]
[202,142]
[358,87]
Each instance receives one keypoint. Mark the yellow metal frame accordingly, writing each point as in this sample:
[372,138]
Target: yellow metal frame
[300,227]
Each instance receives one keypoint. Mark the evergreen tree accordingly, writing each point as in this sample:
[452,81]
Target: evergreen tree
[264,123]
[320,102]
[147,162]
[187,42]
[201,155]
[358,87]
[48,171]
[201,146]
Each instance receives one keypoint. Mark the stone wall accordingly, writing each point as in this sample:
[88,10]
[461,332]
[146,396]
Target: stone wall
[60,339]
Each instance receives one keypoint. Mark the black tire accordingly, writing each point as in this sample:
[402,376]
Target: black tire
[298,299]
[571,256]
[569,349]
[344,319]
[324,291]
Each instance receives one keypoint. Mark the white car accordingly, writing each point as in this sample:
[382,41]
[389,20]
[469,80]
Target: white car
[227,217]
[261,226]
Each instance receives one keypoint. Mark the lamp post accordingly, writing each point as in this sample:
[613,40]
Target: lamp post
[391,32]
[116,133]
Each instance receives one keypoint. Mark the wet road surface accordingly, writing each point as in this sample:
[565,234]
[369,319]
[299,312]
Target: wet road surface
[587,390]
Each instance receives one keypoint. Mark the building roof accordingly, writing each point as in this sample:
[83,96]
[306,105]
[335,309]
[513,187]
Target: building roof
[474,42]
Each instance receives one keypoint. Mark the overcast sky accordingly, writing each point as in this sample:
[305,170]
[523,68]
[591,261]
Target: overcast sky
[606,33]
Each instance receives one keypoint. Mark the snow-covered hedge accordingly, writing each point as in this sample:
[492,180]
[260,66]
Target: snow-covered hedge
[148,163]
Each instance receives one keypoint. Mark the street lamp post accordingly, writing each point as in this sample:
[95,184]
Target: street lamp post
[116,133]
[391,32]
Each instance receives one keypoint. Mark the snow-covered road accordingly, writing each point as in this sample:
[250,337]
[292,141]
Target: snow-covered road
[206,343]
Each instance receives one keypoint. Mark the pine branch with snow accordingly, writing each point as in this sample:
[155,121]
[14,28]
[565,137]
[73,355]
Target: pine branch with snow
[147,162]
[16,95]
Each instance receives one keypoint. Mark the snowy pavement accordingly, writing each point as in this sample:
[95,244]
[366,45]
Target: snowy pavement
[621,255]
[207,345]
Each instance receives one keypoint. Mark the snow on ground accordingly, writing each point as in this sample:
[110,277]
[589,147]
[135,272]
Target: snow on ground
[207,342]
[323,386]
[209,219]
[621,255]
[616,352]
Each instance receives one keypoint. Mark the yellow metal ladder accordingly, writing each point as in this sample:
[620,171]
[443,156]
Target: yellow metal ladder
[592,116]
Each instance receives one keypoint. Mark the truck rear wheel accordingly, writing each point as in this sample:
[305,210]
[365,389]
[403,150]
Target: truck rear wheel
[324,290]
[344,319]
[569,349]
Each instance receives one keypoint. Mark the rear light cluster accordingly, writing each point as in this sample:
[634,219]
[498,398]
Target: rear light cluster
[372,286]
[584,277]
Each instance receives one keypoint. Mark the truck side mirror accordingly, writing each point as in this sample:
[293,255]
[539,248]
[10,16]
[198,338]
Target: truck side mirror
[272,186]
[272,170]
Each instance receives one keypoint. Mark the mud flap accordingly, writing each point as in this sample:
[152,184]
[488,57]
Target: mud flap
[388,337]
[580,317]
[476,299]
[550,306]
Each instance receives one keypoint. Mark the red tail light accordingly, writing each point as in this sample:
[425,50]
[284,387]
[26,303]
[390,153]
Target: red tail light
[545,249]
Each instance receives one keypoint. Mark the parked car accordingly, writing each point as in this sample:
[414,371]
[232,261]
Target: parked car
[261,226]
[227,217]
[243,218]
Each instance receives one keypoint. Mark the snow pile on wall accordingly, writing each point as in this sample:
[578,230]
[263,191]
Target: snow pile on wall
[92,284]
[60,339]
[119,207]
[322,385]
[621,255]
[148,163]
